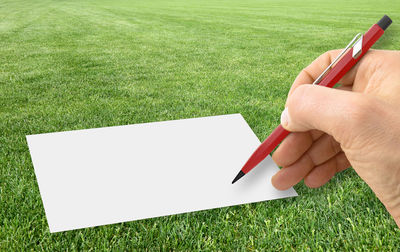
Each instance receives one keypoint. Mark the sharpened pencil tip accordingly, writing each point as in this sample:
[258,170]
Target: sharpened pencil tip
[240,174]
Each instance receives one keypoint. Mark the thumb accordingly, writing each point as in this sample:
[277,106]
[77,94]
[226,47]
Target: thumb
[335,112]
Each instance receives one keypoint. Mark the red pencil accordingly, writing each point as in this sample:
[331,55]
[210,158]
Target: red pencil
[327,79]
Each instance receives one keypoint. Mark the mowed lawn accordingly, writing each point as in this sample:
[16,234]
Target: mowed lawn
[67,65]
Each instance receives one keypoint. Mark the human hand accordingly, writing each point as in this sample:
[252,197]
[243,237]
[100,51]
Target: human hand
[334,129]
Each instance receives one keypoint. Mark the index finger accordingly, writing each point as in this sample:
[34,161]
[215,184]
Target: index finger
[309,74]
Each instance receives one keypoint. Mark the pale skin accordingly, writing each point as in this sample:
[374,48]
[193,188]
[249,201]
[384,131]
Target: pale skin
[356,125]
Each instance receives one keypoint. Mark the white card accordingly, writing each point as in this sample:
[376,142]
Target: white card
[109,175]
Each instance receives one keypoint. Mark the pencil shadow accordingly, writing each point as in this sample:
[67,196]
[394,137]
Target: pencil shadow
[260,174]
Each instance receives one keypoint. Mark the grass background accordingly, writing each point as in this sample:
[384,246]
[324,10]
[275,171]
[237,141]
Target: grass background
[67,65]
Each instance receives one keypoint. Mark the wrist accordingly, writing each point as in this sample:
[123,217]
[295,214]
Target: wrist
[394,209]
[396,217]
[397,220]
[389,194]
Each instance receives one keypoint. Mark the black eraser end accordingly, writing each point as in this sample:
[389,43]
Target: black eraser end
[384,22]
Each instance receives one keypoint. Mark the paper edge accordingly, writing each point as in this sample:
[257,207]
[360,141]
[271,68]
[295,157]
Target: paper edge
[55,230]
[139,124]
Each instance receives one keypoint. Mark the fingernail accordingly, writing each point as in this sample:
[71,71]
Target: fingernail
[285,117]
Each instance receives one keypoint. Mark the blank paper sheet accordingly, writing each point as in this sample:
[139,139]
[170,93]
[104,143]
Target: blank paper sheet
[115,174]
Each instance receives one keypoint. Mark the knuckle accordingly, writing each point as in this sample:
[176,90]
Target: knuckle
[276,159]
[329,55]
[307,72]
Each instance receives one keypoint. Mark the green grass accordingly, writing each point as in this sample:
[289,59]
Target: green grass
[67,65]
